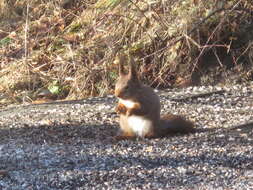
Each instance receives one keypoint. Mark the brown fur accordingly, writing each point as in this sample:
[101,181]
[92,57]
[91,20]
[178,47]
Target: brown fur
[144,103]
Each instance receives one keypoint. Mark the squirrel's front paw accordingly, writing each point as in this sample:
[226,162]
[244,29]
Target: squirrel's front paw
[129,112]
[121,109]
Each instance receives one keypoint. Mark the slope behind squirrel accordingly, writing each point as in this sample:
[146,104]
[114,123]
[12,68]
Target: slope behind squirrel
[139,109]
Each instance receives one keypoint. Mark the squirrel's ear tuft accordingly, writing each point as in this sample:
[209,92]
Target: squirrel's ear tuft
[120,60]
[132,70]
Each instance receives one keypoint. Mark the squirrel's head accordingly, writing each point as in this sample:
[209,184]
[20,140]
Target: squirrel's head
[128,83]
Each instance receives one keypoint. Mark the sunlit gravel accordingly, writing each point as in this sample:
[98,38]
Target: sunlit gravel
[69,145]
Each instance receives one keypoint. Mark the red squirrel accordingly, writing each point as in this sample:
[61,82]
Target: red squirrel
[139,109]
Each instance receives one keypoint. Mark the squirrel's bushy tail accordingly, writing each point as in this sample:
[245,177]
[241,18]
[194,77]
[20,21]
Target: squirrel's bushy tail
[173,124]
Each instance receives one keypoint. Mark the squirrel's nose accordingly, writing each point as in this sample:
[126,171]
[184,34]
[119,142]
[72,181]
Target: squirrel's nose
[117,93]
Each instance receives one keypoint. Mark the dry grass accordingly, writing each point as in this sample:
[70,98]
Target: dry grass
[69,46]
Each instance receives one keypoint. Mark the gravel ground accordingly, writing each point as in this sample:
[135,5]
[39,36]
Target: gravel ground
[68,145]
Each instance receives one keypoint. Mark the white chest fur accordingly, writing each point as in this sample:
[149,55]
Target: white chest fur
[127,103]
[139,124]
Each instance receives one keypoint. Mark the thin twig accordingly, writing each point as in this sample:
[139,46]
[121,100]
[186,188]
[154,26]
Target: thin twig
[26,45]
[26,31]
